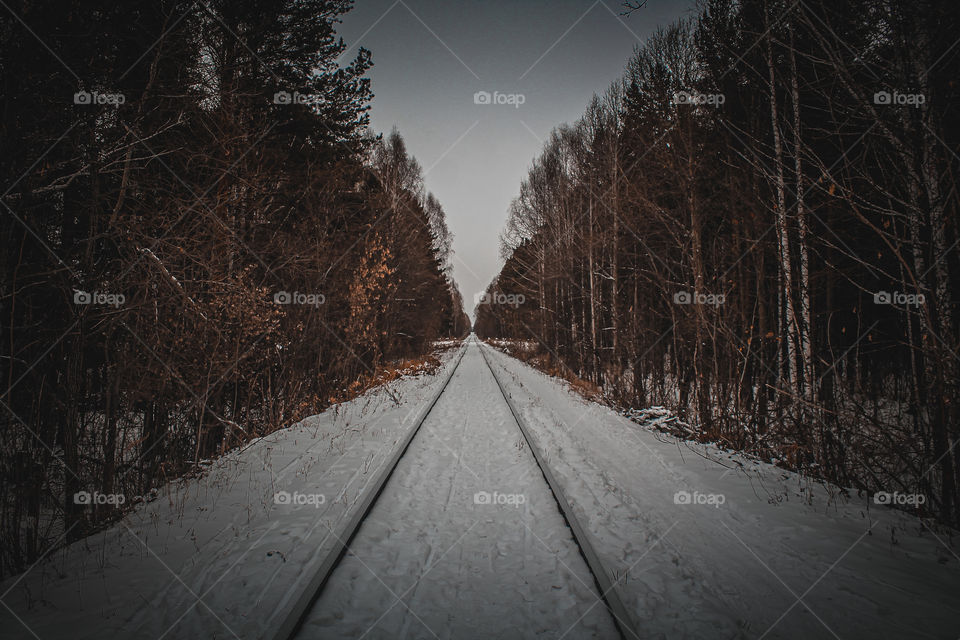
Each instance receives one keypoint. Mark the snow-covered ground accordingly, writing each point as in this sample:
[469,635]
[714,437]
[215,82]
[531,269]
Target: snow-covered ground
[217,557]
[434,559]
[751,552]
[704,544]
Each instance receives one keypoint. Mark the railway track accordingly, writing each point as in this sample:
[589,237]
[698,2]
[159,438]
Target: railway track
[606,587]
[622,617]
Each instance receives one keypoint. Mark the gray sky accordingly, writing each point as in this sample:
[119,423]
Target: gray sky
[431,57]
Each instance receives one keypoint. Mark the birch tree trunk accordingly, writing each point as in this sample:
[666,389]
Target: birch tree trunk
[805,324]
[781,215]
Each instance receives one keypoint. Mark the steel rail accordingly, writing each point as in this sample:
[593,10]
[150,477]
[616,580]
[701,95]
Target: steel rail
[624,620]
[292,621]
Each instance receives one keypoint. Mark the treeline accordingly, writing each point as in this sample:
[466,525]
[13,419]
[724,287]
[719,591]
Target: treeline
[757,227]
[201,243]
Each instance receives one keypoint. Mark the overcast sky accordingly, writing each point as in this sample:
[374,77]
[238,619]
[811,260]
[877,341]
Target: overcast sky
[431,57]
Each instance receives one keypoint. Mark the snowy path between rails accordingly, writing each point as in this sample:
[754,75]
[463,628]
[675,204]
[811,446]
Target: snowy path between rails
[432,559]
[777,559]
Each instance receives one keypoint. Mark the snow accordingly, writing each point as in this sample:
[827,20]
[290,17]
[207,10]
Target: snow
[429,561]
[751,550]
[780,557]
[216,557]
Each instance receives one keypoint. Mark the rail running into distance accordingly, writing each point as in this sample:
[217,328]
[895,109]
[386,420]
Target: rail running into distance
[605,585]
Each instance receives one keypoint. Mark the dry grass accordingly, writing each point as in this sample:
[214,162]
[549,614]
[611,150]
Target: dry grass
[387,373]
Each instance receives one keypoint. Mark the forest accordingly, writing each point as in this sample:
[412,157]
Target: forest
[756,228]
[202,242]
